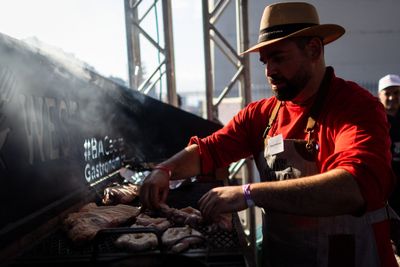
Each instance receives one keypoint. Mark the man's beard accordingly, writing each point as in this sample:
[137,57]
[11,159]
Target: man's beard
[293,86]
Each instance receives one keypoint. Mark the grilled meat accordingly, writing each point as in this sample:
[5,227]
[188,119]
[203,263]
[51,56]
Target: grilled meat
[137,241]
[185,216]
[161,224]
[192,217]
[120,194]
[143,241]
[180,238]
[83,225]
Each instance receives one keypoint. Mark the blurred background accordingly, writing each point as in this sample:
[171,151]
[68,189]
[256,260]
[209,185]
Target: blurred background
[94,33]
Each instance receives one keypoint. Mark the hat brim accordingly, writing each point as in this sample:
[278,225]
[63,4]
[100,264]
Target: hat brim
[389,85]
[328,33]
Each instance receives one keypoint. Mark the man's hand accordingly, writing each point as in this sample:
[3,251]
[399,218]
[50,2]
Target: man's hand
[154,189]
[182,165]
[222,200]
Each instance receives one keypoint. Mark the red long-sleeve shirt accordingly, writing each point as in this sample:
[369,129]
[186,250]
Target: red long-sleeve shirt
[352,132]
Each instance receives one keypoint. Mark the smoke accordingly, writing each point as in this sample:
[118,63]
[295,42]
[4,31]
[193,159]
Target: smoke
[59,58]
[7,91]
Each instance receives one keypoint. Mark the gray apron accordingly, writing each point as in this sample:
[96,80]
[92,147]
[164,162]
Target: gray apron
[291,240]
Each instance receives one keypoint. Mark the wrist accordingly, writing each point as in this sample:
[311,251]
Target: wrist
[165,169]
[247,195]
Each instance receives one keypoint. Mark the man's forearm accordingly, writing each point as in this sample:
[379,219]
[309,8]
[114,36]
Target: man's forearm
[185,163]
[328,194]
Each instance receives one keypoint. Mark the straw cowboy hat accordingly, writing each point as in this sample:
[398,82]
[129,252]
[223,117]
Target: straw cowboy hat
[293,19]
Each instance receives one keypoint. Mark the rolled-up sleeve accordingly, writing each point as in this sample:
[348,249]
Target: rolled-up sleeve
[239,138]
[362,147]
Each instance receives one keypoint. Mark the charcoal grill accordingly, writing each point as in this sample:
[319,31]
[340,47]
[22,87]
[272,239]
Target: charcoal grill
[64,131]
[219,248]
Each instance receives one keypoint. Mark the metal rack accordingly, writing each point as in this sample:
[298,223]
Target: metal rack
[213,40]
[134,30]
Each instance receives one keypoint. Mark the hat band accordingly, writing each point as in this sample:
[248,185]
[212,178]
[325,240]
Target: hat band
[279,31]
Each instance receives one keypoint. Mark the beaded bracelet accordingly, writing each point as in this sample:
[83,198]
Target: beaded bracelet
[163,168]
[247,196]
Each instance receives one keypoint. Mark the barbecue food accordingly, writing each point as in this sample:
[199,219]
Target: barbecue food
[143,241]
[120,194]
[192,217]
[180,238]
[161,224]
[137,241]
[222,222]
[82,226]
[185,216]
[177,239]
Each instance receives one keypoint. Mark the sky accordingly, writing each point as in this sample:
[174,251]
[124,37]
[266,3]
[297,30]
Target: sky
[94,32]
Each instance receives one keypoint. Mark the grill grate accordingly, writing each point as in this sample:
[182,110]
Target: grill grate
[219,247]
[58,245]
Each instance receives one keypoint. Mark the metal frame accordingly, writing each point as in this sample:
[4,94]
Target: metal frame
[167,64]
[213,39]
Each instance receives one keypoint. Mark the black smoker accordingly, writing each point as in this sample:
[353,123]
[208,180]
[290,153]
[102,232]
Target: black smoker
[64,130]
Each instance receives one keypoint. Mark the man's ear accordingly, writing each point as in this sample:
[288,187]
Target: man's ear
[315,48]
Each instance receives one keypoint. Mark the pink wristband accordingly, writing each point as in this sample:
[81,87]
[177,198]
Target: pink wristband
[163,168]
[246,192]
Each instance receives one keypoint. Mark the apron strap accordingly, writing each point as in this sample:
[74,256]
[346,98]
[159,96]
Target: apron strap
[378,215]
[391,214]
[317,106]
[272,118]
[319,100]
[315,109]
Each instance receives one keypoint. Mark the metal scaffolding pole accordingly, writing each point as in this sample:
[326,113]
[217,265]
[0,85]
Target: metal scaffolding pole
[133,46]
[134,31]
[214,39]
[211,110]
[169,53]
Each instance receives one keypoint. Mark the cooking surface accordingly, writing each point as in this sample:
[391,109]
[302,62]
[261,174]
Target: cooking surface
[221,248]
[64,130]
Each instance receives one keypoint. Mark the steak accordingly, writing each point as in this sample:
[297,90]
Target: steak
[82,226]
[120,194]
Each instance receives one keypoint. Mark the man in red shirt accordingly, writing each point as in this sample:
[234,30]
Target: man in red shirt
[321,146]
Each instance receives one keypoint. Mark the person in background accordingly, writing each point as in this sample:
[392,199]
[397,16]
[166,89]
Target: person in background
[321,145]
[389,95]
